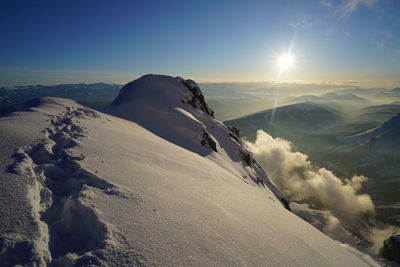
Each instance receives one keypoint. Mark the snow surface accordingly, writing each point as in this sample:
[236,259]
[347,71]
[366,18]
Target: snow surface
[327,223]
[80,187]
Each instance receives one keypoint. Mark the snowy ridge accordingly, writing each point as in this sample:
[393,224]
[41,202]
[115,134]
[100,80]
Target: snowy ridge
[175,109]
[392,125]
[83,188]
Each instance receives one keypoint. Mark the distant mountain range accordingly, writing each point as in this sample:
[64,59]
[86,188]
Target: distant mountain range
[330,98]
[369,143]
[99,94]
[379,113]
[290,121]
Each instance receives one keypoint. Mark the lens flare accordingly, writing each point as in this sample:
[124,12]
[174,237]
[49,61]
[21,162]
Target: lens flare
[285,61]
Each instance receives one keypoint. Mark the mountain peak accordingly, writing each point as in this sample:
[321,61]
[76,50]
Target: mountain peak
[164,90]
[175,109]
[170,107]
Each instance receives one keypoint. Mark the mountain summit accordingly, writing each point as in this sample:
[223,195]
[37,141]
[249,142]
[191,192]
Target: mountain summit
[175,109]
[158,182]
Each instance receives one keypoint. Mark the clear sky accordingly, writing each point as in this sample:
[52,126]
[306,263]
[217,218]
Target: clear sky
[219,40]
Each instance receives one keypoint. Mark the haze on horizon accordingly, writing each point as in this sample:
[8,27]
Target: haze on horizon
[344,41]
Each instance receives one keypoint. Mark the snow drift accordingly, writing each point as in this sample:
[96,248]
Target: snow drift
[169,186]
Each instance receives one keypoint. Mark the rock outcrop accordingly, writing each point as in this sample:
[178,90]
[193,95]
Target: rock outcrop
[391,247]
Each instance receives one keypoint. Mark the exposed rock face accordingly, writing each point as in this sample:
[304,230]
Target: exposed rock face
[391,247]
[208,141]
[198,100]
[235,133]
[247,157]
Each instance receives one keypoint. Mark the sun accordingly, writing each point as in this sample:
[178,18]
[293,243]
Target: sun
[285,61]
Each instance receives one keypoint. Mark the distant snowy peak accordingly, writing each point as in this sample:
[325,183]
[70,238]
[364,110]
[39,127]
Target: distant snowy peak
[394,121]
[393,124]
[390,127]
[381,140]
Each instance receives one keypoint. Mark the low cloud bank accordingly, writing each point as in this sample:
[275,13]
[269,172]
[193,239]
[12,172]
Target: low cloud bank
[299,180]
[295,176]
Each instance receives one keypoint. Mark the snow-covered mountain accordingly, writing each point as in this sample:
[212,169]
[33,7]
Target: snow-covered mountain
[382,140]
[375,153]
[158,182]
[99,94]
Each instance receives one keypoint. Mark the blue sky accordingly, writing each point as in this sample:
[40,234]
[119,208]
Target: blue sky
[116,41]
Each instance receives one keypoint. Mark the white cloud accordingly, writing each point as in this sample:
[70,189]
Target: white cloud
[302,23]
[349,6]
[326,4]
[297,178]
[338,198]
[344,10]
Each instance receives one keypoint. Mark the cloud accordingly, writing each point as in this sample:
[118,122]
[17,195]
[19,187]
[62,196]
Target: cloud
[320,188]
[349,6]
[326,4]
[344,10]
[302,23]
[297,178]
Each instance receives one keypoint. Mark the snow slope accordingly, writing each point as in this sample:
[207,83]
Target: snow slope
[80,187]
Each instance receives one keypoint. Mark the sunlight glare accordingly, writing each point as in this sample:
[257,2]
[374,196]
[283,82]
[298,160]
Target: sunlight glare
[285,61]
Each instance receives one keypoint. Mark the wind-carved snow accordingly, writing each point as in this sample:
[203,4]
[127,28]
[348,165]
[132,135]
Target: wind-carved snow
[69,225]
